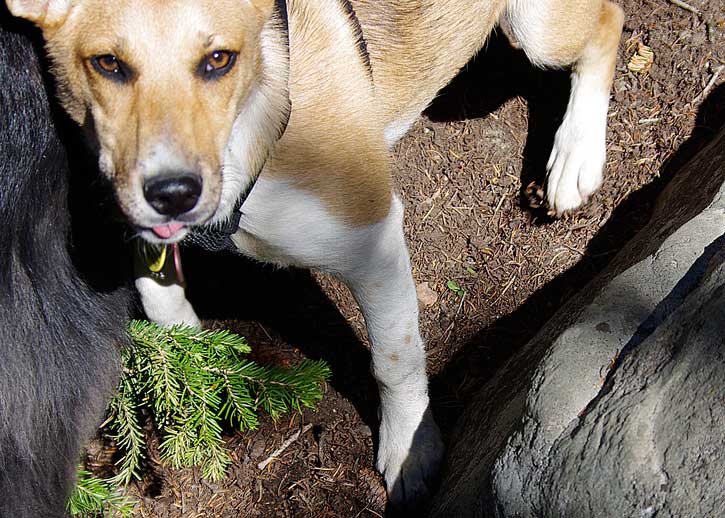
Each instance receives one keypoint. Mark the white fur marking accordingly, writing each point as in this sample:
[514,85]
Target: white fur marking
[288,226]
[165,305]
[397,130]
[163,158]
[577,159]
[410,448]
[256,128]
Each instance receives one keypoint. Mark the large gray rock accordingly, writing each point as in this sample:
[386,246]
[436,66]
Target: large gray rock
[651,443]
[617,407]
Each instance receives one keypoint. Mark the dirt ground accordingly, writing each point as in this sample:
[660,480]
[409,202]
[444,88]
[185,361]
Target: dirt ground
[463,172]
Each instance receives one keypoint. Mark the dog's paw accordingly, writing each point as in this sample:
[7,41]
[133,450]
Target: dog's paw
[574,170]
[409,459]
[576,164]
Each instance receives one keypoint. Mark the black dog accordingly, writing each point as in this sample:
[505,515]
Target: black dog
[58,338]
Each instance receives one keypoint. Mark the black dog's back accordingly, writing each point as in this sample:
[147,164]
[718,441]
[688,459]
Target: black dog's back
[58,338]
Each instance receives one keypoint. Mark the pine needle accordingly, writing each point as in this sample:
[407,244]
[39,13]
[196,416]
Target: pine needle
[96,497]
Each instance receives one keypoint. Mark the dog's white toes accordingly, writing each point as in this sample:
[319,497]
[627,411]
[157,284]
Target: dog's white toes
[409,460]
[575,168]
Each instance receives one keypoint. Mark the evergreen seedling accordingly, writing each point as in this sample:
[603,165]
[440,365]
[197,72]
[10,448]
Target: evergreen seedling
[191,382]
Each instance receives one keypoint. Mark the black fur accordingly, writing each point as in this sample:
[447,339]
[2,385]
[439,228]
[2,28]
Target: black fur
[362,44]
[58,338]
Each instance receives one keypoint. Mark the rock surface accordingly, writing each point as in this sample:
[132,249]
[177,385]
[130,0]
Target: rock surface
[617,407]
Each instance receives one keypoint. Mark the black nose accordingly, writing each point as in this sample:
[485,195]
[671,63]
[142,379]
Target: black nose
[172,195]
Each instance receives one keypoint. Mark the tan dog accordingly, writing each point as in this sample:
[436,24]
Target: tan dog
[189,101]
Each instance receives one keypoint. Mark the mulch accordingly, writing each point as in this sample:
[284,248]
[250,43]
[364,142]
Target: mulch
[491,266]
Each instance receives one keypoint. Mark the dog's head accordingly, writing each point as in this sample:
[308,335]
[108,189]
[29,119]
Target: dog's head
[167,88]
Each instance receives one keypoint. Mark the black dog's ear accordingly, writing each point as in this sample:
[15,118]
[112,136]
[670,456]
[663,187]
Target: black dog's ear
[44,13]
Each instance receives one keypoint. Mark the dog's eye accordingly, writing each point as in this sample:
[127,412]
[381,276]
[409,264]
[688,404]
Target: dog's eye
[216,64]
[111,67]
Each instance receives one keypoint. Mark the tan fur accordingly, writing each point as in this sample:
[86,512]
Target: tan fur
[348,165]
[166,103]
[416,47]
[573,29]
[334,150]
[602,48]
[333,146]
[324,195]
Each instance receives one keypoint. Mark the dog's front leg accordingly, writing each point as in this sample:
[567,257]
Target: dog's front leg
[161,292]
[166,305]
[584,34]
[410,448]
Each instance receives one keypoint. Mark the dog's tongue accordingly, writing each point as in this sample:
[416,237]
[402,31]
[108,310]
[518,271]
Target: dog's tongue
[166,231]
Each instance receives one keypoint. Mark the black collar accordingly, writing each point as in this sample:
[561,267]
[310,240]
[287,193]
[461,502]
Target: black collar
[219,237]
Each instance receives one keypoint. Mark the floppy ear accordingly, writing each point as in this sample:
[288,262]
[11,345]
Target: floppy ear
[44,13]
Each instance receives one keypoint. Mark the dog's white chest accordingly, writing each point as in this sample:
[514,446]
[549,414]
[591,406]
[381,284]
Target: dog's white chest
[290,227]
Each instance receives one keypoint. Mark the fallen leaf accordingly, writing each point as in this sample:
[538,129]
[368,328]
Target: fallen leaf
[426,295]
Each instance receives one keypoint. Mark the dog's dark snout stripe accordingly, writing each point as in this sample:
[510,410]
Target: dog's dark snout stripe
[173,195]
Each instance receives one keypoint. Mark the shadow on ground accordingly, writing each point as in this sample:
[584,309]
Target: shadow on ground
[500,73]
[478,360]
[223,286]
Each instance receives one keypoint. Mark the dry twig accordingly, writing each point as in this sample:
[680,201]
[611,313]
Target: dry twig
[710,84]
[685,6]
[286,444]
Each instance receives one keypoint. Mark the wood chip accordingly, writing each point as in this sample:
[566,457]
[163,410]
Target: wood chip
[642,60]
[427,296]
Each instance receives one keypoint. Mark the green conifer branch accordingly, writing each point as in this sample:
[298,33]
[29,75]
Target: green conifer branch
[96,497]
[192,381]
[129,434]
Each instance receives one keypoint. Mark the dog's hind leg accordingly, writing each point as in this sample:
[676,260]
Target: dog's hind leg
[584,34]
